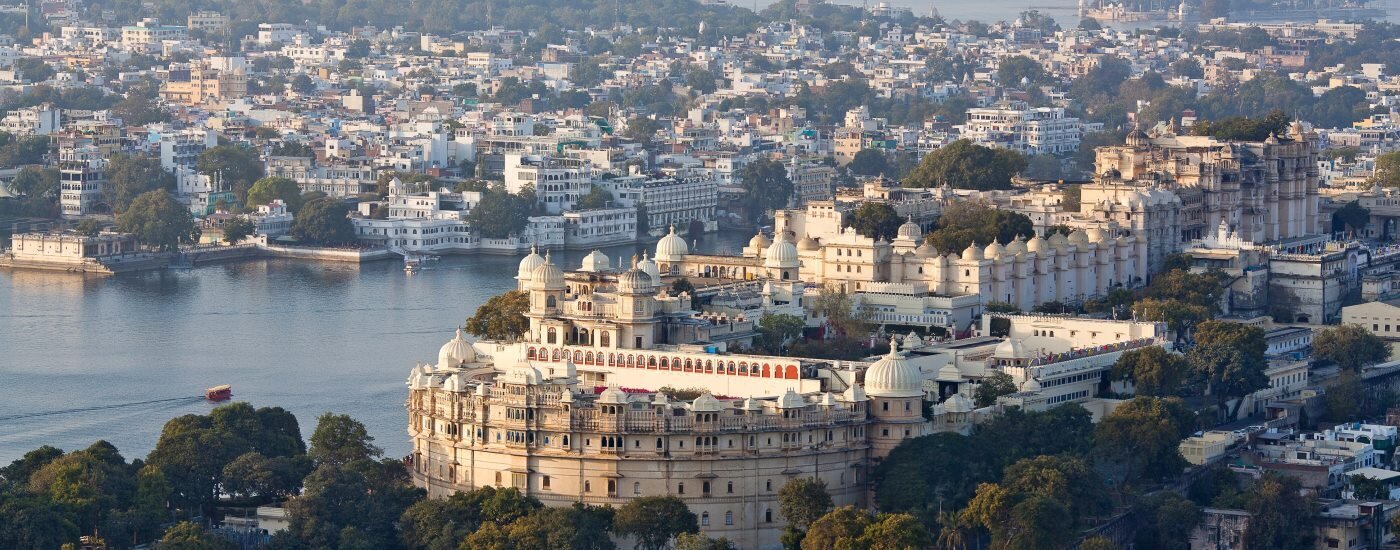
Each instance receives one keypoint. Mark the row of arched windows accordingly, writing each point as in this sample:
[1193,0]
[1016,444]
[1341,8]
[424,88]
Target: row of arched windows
[632,360]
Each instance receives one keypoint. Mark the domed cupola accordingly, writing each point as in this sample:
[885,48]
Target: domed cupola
[925,251]
[1010,349]
[909,231]
[634,281]
[456,352]
[649,266]
[791,400]
[547,276]
[1016,246]
[595,262]
[972,253]
[528,265]
[894,376]
[758,244]
[808,244]
[957,404]
[1037,244]
[1079,238]
[1058,241]
[780,254]
[671,248]
[993,251]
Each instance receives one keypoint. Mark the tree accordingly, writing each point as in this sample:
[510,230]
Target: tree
[1179,316]
[303,84]
[777,329]
[1280,516]
[1388,169]
[654,521]
[238,228]
[967,223]
[323,221]
[965,165]
[1243,128]
[192,536]
[766,186]
[1345,397]
[354,505]
[501,214]
[1143,435]
[1018,69]
[268,189]
[1351,346]
[89,227]
[803,501]
[992,387]
[502,317]
[1230,356]
[1038,502]
[581,527]
[31,522]
[194,450]
[157,220]
[1166,520]
[876,220]
[695,541]
[131,175]
[1153,371]
[255,476]
[895,532]
[1090,24]
[1351,217]
[869,162]
[839,528]
[641,129]
[1098,543]
[597,197]
[236,168]
[340,440]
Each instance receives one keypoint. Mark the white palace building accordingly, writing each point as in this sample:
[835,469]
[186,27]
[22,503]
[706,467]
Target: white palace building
[619,390]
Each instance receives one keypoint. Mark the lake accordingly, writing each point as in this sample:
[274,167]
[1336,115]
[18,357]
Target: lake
[306,336]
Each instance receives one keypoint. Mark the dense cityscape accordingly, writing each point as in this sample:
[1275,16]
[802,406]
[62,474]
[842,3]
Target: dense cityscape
[802,275]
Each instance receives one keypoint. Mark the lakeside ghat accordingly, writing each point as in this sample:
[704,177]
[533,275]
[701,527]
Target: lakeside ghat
[307,336]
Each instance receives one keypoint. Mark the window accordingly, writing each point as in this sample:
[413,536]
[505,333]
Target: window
[768,485]
[768,515]
[704,519]
[705,488]
[636,488]
[544,482]
[729,518]
[587,487]
[731,488]
[680,488]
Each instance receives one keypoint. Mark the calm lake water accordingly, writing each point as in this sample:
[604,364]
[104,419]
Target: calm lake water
[309,337]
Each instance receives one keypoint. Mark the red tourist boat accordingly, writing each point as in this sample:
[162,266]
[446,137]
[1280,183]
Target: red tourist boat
[219,393]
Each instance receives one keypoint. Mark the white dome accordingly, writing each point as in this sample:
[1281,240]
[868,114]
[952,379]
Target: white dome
[523,373]
[1079,238]
[759,241]
[791,400]
[993,251]
[528,265]
[455,352]
[912,341]
[672,247]
[780,254]
[808,243]
[957,404]
[949,373]
[1010,349]
[925,251]
[705,403]
[1097,235]
[894,376]
[1030,384]
[1058,241]
[1016,246]
[595,262]
[547,276]
[909,230]
[1036,244]
[971,252]
[612,395]
[634,281]
[649,266]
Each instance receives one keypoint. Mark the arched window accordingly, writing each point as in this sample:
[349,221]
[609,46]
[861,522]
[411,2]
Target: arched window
[704,519]
[730,489]
[551,337]
[665,364]
[729,518]
[612,357]
[550,302]
[631,360]
[605,339]
[588,358]
[530,354]
[587,487]
[554,355]
[651,361]
[765,371]
[578,357]
[636,488]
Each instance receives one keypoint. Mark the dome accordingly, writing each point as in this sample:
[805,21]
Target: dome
[791,400]
[634,281]
[1010,349]
[1058,241]
[528,264]
[547,276]
[1097,235]
[909,230]
[808,243]
[612,395]
[649,266]
[455,352]
[759,241]
[894,376]
[957,404]
[672,247]
[1030,384]
[1079,238]
[912,341]
[780,254]
[993,251]
[705,403]
[949,373]
[1016,246]
[925,251]
[595,262]
[523,373]
[1036,244]
[971,253]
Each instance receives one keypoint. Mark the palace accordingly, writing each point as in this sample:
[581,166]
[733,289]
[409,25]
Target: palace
[620,390]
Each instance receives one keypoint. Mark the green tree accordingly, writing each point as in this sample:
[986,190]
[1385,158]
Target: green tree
[695,541]
[1388,169]
[965,223]
[1351,217]
[258,477]
[1167,520]
[577,526]
[766,186]
[157,220]
[1098,543]
[876,220]
[502,317]
[193,450]
[31,522]
[501,214]
[839,528]
[1142,435]
[1070,197]
[992,387]
[355,504]
[192,536]
[654,521]
[323,221]
[86,484]
[1016,69]
[1243,128]
[1345,397]
[129,176]
[237,229]
[1280,516]
[1230,356]
[895,532]
[235,167]
[272,188]
[965,165]
[1179,316]
[1153,371]
[869,162]
[340,440]
[597,197]
[641,129]
[1350,346]
[803,501]
[89,226]
[777,329]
